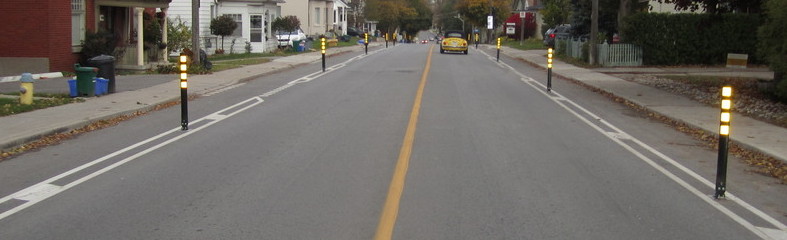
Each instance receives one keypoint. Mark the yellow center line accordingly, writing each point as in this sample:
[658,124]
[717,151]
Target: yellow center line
[391,207]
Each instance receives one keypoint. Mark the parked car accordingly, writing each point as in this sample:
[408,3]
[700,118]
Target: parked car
[454,41]
[559,32]
[353,32]
[286,38]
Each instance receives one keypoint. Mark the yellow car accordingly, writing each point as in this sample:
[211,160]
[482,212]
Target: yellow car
[454,41]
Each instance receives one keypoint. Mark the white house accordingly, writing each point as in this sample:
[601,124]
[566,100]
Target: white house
[656,7]
[318,16]
[253,18]
[340,17]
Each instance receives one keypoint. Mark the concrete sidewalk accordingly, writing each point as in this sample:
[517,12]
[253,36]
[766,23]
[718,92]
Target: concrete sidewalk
[751,133]
[27,127]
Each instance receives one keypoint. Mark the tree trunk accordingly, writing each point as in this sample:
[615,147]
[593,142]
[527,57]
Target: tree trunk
[623,12]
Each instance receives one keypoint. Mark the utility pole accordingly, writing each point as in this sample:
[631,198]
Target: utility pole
[195,31]
[459,16]
[594,33]
[490,22]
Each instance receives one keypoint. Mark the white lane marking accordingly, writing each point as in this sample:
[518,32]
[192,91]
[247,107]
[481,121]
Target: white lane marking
[618,135]
[310,77]
[37,192]
[43,190]
[560,99]
[774,233]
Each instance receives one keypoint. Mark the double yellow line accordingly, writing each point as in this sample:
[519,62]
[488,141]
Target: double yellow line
[391,207]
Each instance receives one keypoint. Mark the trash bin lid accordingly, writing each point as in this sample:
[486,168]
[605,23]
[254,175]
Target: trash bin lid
[86,69]
[102,59]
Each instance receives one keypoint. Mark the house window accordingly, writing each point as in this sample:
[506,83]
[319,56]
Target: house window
[317,16]
[239,20]
[256,28]
[77,22]
[334,17]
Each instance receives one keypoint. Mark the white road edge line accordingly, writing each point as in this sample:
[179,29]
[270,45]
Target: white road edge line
[43,190]
[560,99]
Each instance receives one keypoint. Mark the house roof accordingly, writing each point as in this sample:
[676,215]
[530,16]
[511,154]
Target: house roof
[252,1]
[135,3]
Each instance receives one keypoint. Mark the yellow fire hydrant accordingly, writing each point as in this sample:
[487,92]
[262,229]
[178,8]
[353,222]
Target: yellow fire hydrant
[26,90]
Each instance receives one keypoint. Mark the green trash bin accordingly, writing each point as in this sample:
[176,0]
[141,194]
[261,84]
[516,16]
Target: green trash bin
[86,80]
[295,44]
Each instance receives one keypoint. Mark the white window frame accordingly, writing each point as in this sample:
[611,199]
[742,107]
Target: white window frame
[317,17]
[239,20]
[78,14]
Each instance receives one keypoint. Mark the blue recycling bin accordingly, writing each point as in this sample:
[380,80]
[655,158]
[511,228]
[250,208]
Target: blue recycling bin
[102,86]
[72,87]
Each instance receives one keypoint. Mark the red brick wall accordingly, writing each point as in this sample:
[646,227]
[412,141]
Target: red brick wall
[40,28]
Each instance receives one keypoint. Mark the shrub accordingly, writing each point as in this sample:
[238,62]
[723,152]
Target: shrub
[96,44]
[174,68]
[773,43]
[223,26]
[678,39]
[178,35]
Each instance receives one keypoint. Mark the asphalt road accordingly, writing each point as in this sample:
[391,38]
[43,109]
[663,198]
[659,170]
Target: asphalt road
[311,155]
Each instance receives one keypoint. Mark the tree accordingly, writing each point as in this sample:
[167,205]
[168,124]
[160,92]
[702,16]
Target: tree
[408,15]
[152,30]
[389,13]
[772,47]
[555,13]
[223,26]
[447,16]
[717,6]
[607,17]
[287,24]
[476,12]
[178,35]
[421,20]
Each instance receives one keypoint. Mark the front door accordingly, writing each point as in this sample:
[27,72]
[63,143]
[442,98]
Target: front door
[256,36]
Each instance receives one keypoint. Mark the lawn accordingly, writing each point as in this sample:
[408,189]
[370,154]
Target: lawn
[230,64]
[10,106]
[529,44]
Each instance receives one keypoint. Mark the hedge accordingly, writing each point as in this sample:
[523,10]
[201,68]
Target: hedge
[692,39]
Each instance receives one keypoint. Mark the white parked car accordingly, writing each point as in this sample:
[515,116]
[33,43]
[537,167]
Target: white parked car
[286,38]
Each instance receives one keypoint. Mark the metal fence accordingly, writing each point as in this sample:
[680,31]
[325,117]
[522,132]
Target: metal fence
[614,55]
[609,55]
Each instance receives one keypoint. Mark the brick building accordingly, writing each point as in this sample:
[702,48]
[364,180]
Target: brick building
[45,35]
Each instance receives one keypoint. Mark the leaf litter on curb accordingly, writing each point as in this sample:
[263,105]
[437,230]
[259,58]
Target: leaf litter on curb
[764,164]
[748,100]
[60,137]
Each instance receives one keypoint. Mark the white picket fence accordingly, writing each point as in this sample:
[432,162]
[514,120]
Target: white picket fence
[609,55]
[619,55]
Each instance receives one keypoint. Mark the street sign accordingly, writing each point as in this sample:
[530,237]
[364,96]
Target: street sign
[489,22]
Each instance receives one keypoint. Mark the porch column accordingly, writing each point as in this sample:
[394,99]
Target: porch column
[164,30]
[140,39]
